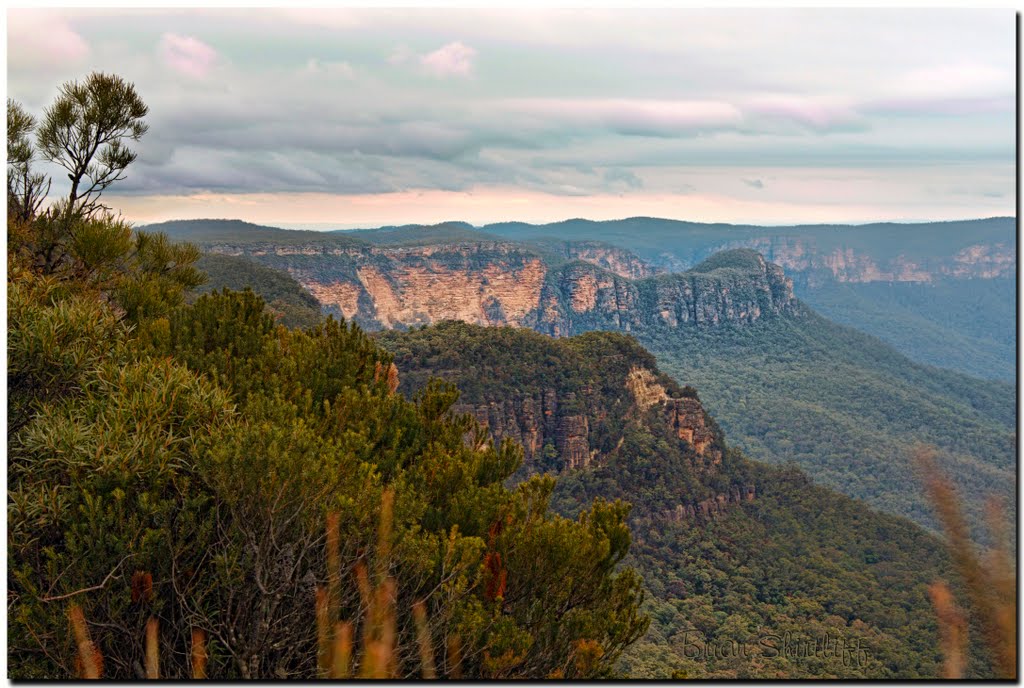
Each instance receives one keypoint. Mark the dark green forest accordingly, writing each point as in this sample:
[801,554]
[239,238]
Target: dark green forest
[799,561]
[848,409]
[965,325]
[290,304]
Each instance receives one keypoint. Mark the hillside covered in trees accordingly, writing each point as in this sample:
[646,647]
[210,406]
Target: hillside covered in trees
[786,383]
[205,492]
[196,489]
[290,304]
[792,559]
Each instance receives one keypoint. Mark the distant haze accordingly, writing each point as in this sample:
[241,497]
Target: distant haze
[359,118]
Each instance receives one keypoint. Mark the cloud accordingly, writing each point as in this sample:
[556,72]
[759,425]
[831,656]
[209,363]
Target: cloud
[754,183]
[43,38]
[329,102]
[633,117]
[187,55]
[317,68]
[617,176]
[454,59]
[816,113]
[400,55]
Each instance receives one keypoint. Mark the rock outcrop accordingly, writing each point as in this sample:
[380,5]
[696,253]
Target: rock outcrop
[684,415]
[579,297]
[813,266]
[505,283]
[711,507]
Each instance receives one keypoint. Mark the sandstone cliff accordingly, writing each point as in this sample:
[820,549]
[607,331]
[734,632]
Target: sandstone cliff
[739,287]
[479,282]
[813,266]
[499,283]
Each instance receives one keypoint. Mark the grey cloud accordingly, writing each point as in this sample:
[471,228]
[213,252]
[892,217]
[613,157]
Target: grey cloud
[754,183]
[309,102]
[618,176]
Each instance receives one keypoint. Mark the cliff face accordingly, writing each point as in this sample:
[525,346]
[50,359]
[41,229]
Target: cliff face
[580,297]
[812,255]
[555,430]
[497,283]
[551,436]
[484,283]
[812,266]
[593,406]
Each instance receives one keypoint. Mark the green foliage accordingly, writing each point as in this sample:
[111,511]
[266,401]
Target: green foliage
[292,305]
[799,563]
[965,325]
[84,131]
[743,259]
[847,408]
[26,189]
[208,458]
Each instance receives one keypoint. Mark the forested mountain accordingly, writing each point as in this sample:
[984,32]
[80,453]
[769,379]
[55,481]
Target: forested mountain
[292,305]
[733,553]
[940,292]
[787,384]
[968,325]
[848,409]
[177,464]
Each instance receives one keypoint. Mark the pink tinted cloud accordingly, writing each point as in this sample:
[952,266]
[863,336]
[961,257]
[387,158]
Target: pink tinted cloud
[187,55]
[454,59]
[633,116]
[814,113]
[43,37]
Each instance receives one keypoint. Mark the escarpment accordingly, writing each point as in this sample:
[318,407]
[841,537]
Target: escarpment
[552,435]
[813,265]
[711,507]
[684,415]
[558,288]
[563,430]
[738,287]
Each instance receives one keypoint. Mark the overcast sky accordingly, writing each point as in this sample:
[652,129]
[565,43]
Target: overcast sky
[348,118]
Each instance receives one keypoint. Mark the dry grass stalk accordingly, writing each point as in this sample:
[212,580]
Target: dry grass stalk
[152,648]
[419,613]
[990,589]
[952,630]
[199,655]
[342,652]
[379,637]
[379,658]
[392,378]
[89,659]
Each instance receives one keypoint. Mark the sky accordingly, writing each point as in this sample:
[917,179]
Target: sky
[335,118]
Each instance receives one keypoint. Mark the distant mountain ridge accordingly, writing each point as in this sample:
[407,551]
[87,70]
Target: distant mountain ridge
[811,254]
[426,275]
[941,292]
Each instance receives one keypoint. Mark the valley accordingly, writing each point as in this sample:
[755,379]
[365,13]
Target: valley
[787,384]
